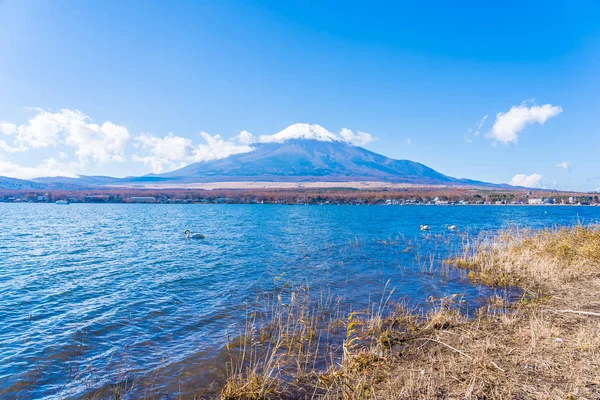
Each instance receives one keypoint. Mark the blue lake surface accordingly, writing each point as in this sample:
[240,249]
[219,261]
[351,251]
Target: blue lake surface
[83,285]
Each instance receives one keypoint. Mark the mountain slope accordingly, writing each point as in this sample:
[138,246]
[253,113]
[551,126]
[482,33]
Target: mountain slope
[301,153]
[19,184]
[55,183]
[298,160]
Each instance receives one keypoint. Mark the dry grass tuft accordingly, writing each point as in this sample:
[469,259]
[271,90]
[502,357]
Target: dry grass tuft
[251,386]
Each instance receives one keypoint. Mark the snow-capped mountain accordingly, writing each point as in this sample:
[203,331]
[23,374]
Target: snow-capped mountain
[304,153]
[301,131]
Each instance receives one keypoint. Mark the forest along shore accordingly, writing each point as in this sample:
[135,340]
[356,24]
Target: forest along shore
[304,195]
[546,345]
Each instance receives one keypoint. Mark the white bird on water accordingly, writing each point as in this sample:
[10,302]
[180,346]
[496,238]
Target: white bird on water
[424,228]
[190,235]
[452,228]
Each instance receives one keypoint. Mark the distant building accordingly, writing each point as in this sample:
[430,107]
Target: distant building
[536,202]
[98,198]
[142,199]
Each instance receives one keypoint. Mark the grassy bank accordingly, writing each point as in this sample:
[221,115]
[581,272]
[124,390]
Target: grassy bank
[544,346]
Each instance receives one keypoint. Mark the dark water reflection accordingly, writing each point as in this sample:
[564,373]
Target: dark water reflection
[93,293]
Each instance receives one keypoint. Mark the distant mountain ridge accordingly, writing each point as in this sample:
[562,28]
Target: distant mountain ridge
[299,153]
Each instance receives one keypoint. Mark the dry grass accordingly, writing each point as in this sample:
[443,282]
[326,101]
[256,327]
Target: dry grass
[529,349]
[542,259]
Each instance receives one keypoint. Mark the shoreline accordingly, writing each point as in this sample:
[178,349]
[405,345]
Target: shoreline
[305,196]
[309,204]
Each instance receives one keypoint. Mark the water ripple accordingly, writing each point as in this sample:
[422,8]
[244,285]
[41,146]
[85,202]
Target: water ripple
[90,291]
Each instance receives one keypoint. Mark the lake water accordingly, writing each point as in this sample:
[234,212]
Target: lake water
[82,286]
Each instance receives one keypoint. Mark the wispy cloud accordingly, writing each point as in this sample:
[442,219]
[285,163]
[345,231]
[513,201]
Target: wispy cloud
[510,124]
[480,124]
[471,132]
[564,165]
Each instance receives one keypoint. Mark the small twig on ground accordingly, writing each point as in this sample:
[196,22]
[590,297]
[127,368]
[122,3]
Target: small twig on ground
[462,353]
[589,313]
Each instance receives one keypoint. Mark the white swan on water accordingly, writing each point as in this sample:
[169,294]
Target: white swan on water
[452,228]
[424,228]
[190,235]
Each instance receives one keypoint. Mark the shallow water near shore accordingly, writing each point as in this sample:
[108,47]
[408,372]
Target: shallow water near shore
[89,292]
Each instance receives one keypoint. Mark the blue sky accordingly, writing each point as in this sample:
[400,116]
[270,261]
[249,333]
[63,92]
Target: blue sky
[125,88]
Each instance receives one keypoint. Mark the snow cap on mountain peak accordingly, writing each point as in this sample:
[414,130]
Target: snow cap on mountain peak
[301,131]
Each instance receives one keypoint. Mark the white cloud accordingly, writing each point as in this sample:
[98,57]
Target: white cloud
[408,141]
[45,128]
[245,137]
[7,148]
[65,129]
[564,165]
[48,167]
[100,143]
[532,181]
[175,151]
[358,139]
[217,147]
[161,153]
[170,147]
[6,128]
[509,125]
